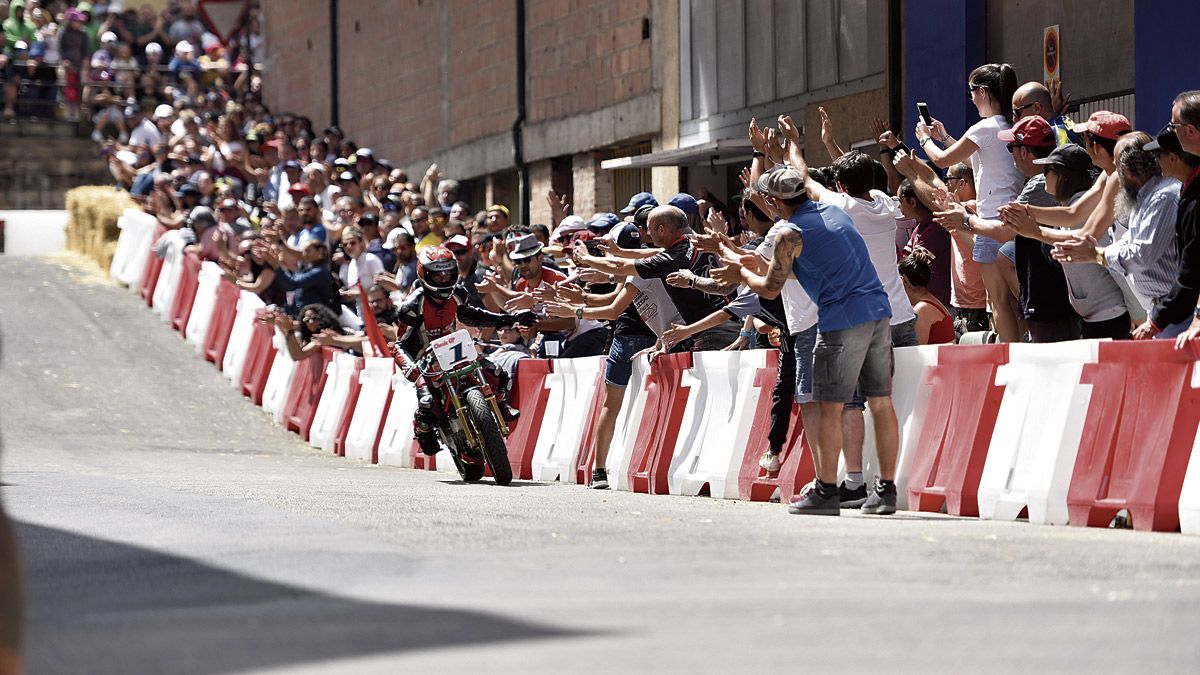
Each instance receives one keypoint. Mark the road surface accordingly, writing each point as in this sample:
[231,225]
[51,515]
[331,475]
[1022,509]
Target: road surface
[169,527]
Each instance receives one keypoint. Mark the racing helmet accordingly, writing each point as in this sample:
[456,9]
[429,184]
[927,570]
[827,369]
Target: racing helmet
[437,271]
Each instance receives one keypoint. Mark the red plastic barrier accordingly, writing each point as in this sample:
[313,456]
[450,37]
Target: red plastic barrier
[585,454]
[189,279]
[953,441]
[221,323]
[1137,436]
[666,400]
[153,267]
[305,392]
[259,358]
[343,427]
[796,465]
[529,395]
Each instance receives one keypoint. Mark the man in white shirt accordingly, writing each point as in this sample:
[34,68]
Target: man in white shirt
[143,132]
[360,265]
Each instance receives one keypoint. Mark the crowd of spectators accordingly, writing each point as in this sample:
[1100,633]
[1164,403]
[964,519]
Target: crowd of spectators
[1028,227]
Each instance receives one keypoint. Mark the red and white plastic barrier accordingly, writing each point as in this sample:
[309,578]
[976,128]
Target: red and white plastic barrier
[169,276]
[338,374]
[396,438]
[129,258]
[279,381]
[203,304]
[238,346]
[374,392]
[574,385]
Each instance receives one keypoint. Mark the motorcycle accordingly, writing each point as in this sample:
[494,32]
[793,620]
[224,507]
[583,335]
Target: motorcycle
[470,425]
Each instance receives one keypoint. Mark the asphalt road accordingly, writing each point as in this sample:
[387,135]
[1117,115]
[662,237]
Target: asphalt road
[169,527]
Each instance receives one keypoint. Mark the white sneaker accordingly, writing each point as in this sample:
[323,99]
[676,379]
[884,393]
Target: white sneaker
[769,462]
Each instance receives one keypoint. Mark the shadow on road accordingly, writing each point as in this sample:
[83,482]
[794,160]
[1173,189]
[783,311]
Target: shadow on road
[100,606]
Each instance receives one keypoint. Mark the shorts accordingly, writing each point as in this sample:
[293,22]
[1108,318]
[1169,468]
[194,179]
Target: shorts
[985,250]
[857,357]
[904,334]
[806,340]
[618,367]
[1009,250]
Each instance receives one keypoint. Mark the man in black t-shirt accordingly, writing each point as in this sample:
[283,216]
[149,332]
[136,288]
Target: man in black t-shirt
[666,228]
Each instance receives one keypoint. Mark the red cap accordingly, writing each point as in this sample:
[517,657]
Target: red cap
[1032,131]
[277,144]
[1106,124]
[299,188]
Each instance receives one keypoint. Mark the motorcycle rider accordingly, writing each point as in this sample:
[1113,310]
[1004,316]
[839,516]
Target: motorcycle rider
[434,309]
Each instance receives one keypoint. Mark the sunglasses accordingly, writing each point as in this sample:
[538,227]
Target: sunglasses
[1019,108]
[1012,146]
[524,262]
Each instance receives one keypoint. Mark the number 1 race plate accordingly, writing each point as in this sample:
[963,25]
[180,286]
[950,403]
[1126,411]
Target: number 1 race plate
[455,350]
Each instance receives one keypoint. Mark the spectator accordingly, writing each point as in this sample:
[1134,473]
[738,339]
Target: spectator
[310,283]
[822,249]
[404,250]
[359,265]
[997,181]
[1033,98]
[931,238]
[369,222]
[1185,122]
[18,27]
[497,218]
[935,325]
[302,336]
[667,230]
[425,237]
[186,28]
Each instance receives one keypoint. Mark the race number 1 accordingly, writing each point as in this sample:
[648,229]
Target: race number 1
[454,350]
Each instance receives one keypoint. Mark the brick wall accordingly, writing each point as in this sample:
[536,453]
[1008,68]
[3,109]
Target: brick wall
[584,56]
[296,77]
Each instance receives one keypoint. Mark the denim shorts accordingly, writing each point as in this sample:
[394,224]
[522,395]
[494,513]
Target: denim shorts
[805,341]
[904,334]
[859,358]
[618,367]
[985,250]
[1009,250]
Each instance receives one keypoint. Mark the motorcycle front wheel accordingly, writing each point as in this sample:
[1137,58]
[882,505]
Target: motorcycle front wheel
[495,451]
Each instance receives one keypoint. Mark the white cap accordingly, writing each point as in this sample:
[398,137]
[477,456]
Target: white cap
[184,47]
[315,166]
[108,37]
[392,236]
[154,47]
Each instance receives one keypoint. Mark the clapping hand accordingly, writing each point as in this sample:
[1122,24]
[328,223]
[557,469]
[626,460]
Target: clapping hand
[522,301]
[728,274]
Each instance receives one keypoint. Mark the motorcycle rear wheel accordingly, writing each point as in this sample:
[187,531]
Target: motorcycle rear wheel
[495,450]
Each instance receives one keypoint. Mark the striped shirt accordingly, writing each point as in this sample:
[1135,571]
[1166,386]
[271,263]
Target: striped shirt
[1146,253]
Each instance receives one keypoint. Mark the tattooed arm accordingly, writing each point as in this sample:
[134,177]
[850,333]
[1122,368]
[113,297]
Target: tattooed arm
[787,248]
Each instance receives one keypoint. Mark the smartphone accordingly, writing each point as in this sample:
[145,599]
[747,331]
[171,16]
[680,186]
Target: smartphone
[923,110]
[593,247]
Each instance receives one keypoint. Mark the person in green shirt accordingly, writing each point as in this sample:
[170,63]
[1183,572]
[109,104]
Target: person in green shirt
[17,26]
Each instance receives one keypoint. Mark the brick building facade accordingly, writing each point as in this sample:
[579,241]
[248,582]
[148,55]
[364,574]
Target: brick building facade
[423,81]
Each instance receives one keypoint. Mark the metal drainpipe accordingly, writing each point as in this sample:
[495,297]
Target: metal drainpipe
[333,63]
[895,64]
[518,144]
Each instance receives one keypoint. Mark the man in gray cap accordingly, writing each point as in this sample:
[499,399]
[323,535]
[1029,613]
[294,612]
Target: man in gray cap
[822,249]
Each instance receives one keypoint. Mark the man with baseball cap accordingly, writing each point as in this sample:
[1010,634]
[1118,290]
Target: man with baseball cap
[638,201]
[579,337]
[822,249]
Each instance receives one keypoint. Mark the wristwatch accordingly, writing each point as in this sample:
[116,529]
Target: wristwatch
[1196,313]
[967,223]
[579,314]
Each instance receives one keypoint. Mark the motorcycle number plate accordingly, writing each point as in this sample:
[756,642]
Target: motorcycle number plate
[455,350]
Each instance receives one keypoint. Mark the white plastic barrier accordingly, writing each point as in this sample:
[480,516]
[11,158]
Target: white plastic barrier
[375,383]
[395,442]
[240,336]
[333,401]
[628,422]
[910,398]
[279,381]
[716,424]
[169,276]
[202,306]
[34,232]
[572,385]
[1038,428]
[133,245]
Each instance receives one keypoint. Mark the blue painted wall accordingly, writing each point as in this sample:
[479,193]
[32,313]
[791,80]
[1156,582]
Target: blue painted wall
[944,40]
[1166,58]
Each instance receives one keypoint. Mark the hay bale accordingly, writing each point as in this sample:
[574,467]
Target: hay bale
[92,229]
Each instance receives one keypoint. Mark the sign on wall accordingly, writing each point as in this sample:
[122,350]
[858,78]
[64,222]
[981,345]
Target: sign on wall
[1051,55]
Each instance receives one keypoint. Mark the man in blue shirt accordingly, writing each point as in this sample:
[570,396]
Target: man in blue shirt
[828,256]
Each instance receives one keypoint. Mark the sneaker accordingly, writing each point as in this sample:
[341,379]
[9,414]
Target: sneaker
[882,500]
[852,499]
[769,462]
[599,479]
[813,503]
